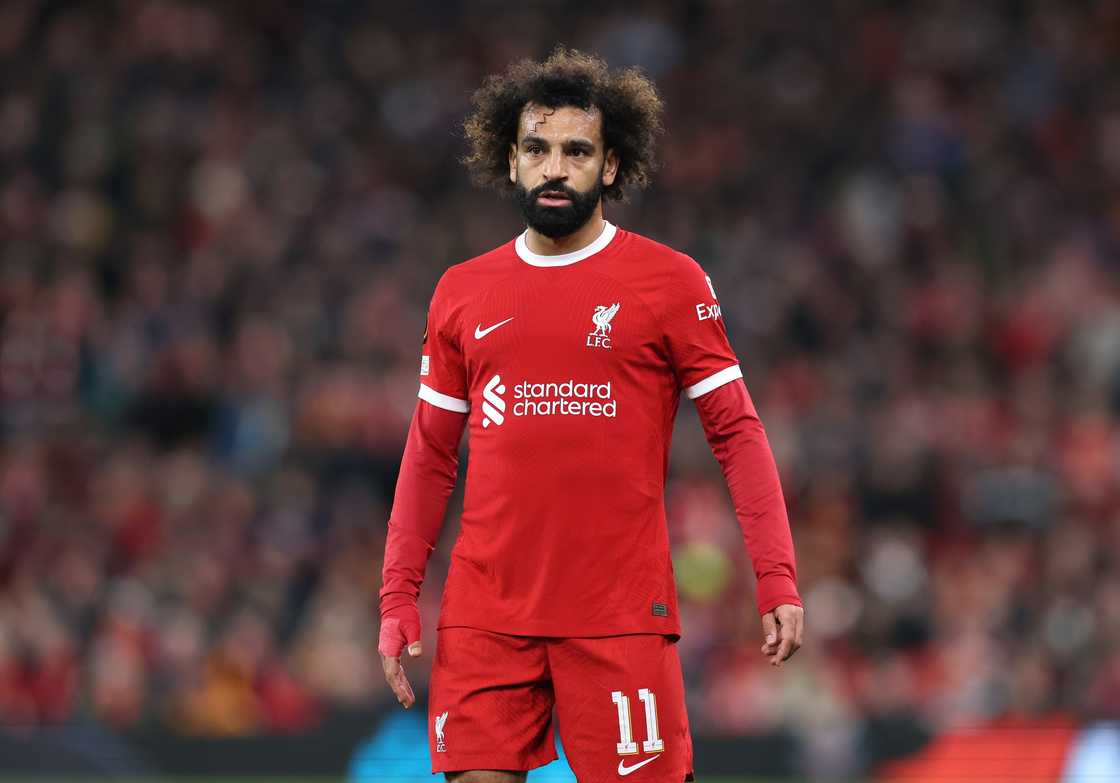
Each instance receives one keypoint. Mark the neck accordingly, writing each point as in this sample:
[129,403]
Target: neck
[579,239]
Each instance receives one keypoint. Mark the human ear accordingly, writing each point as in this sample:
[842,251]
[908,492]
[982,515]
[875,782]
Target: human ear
[513,163]
[610,167]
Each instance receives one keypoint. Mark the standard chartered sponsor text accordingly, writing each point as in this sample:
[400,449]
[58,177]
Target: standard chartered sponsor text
[565,398]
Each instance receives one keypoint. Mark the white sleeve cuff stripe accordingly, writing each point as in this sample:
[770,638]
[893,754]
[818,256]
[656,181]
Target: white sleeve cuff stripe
[726,375]
[448,403]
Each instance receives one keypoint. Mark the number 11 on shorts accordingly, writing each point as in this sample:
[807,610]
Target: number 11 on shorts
[626,745]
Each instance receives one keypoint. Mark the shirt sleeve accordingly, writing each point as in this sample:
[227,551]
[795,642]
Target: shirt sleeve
[739,443]
[694,332]
[429,468]
[430,462]
[443,374]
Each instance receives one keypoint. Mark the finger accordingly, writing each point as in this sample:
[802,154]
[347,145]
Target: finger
[782,653]
[403,690]
[398,682]
[769,632]
[390,664]
[415,649]
[785,649]
[770,648]
[794,619]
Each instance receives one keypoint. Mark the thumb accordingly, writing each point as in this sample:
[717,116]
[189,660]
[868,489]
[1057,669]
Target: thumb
[769,628]
[411,630]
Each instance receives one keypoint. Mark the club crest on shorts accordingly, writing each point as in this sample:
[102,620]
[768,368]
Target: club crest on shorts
[440,720]
[600,336]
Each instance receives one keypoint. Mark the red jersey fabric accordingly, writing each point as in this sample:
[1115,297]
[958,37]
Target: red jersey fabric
[568,370]
[739,443]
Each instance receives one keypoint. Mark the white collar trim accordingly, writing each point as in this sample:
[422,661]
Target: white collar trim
[536,259]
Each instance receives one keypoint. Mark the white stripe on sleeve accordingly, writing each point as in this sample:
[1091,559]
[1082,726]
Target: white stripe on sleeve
[448,403]
[726,375]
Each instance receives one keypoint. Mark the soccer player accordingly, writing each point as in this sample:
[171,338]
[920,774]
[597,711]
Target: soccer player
[565,351]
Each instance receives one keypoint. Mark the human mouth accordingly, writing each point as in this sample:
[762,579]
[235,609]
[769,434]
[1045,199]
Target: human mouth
[553,198]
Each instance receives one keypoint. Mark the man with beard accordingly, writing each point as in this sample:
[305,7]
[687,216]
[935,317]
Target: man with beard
[566,350]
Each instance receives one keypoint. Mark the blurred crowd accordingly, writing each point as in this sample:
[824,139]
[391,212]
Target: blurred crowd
[221,225]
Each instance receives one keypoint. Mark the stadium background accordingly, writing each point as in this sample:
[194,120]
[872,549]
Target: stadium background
[221,223]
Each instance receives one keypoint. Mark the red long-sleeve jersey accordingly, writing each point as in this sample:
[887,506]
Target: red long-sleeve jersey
[568,371]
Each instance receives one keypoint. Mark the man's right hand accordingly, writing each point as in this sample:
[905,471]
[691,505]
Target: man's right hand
[400,626]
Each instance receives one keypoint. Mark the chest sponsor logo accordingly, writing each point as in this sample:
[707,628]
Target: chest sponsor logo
[549,398]
[600,336]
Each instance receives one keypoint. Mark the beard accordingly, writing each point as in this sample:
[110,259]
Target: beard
[555,222]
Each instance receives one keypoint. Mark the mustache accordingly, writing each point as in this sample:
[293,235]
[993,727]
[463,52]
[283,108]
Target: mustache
[559,187]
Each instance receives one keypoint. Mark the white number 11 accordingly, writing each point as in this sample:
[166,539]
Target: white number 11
[627,746]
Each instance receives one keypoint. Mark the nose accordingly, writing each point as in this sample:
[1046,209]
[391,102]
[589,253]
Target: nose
[554,165]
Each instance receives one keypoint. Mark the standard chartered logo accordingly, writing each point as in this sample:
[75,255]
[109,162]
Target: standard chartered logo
[493,406]
[552,398]
[566,398]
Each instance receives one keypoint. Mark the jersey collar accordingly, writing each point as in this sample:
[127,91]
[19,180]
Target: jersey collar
[536,259]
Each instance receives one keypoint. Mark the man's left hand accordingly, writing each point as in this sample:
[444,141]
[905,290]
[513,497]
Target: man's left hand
[782,628]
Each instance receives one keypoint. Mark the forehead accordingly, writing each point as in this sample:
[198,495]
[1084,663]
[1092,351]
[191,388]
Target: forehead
[563,122]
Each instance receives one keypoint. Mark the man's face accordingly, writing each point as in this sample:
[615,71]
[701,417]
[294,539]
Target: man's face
[559,167]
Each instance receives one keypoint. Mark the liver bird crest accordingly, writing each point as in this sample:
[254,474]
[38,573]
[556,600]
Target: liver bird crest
[602,318]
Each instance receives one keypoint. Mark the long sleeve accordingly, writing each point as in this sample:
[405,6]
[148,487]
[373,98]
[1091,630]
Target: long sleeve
[739,443]
[427,478]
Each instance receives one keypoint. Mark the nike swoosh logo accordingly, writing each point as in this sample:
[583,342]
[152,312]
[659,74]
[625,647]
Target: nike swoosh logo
[479,332]
[625,770]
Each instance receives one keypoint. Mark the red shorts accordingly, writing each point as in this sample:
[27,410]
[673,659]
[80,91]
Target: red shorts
[619,704]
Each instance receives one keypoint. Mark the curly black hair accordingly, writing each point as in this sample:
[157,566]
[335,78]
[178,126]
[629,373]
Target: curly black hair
[628,101]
